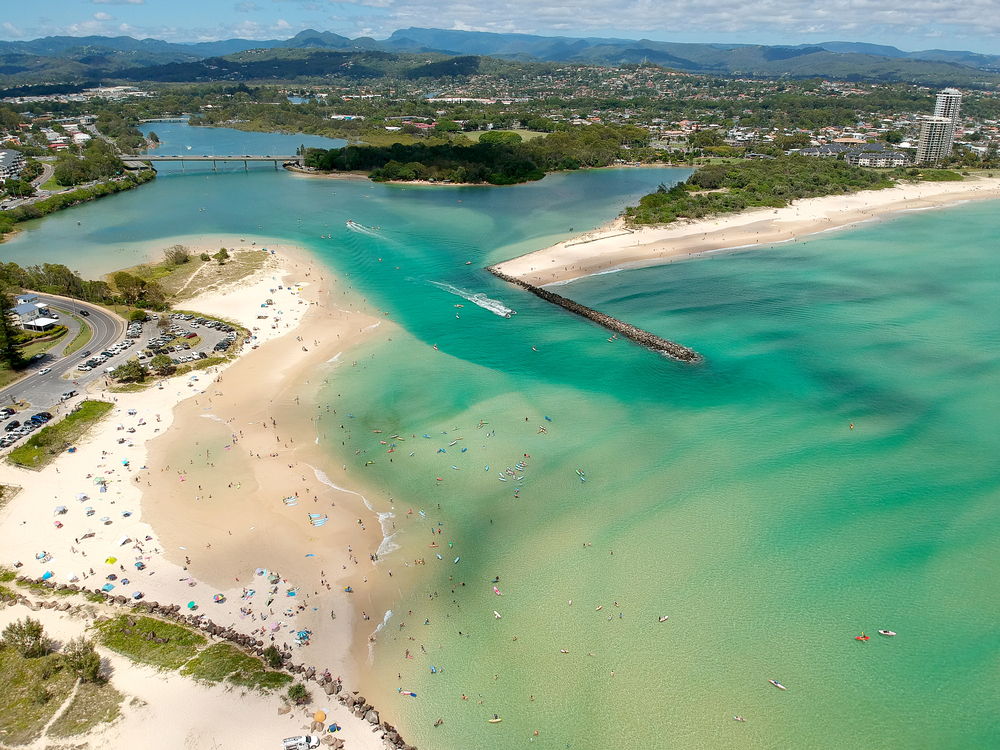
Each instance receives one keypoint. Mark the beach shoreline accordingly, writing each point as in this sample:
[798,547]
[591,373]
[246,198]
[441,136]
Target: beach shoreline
[197,546]
[616,246]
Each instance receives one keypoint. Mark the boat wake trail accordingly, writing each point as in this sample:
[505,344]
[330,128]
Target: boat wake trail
[362,229]
[494,306]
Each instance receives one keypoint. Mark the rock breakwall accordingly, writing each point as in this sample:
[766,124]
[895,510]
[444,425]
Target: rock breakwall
[639,336]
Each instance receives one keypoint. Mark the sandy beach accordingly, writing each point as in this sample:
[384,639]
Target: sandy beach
[209,479]
[615,245]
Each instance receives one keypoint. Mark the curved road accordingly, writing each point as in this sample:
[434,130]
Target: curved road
[44,391]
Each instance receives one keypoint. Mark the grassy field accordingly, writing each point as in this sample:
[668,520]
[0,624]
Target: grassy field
[93,704]
[43,446]
[526,135]
[182,644]
[40,347]
[31,691]
[220,661]
[189,279]
[81,339]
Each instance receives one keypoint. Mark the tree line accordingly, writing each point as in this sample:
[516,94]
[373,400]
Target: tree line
[730,188]
[498,158]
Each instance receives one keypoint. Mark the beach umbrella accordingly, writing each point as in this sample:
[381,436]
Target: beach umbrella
[125,581]
[72,577]
[107,587]
[60,509]
[111,577]
[124,540]
[111,560]
[191,605]
[275,626]
[259,572]
[81,496]
[105,520]
[319,716]
[47,575]
[137,595]
[218,598]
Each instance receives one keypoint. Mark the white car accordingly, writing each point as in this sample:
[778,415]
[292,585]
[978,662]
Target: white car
[302,742]
[45,371]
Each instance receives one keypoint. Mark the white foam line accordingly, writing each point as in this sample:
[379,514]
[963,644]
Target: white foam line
[387,544]
[373,326]
[334,358]
[213,417]
[371,643]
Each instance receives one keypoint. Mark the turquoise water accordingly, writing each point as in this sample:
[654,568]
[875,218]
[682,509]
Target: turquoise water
[735,495]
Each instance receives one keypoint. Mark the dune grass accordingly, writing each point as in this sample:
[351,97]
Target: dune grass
[31,691]
[220,661]
[132,641]
[93,704]
[44,446]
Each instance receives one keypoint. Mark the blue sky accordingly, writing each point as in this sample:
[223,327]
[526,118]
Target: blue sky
[917,24]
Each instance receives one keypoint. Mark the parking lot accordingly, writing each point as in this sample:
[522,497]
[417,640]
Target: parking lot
[186,339]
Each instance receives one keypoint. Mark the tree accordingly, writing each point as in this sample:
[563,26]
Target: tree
[10,351]
[129,372]
[298,693]
[137,316]
[221,256]
[499,136]
[128,285]
[83,659]
[163,323]
[205,256]
[162,364]
[273,657]
[27,638]
[176,255]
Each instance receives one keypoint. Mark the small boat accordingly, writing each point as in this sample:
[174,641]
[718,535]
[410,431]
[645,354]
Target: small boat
[457,559]
[886,632]
[563,651]
[778,685]
[495,720]
[433,545]
[861,637]
[664,618]
[468,262]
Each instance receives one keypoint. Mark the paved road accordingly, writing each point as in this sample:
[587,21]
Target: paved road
[47,171]
[44,391]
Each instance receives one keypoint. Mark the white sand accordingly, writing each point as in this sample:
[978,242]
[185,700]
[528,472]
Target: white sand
[178,713]
[614,246]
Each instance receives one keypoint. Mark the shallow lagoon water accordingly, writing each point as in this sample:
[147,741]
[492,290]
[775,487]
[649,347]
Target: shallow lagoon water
[734,494]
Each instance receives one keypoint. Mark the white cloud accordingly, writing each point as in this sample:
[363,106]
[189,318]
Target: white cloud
[119,2]
[246,7]
[12,30]
[103,17]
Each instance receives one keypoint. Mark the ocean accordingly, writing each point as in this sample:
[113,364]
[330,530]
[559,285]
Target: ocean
[831,467]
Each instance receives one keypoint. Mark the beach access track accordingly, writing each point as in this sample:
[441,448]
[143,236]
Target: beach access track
[639,336]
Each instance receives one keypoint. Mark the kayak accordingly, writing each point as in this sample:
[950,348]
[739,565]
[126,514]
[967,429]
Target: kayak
[778,685]
[439,556]
[497,591]
[495,721]
[886,632]
[861,637]
[457,559]
[408,692]
[664,618]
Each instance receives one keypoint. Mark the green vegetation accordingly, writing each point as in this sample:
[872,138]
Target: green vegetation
[97,161]
[499,158]
[940,175]
[221,661]
[93,704]
[132,641]
[81,339]
[129,372]
[31,691]
[43,446]
[297,693]
[27,638]
[40,342]
[729,188]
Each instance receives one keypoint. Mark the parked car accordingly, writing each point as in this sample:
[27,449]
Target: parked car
[11,426]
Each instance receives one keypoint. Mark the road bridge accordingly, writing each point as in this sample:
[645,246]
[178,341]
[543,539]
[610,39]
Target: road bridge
[184,158]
